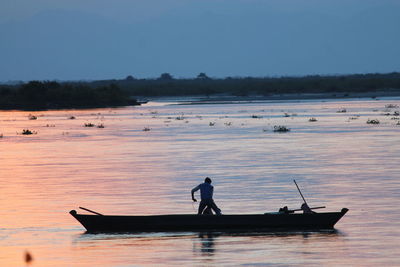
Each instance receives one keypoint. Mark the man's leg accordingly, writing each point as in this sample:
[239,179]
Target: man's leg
[214,207]
[202,206]
[208,210]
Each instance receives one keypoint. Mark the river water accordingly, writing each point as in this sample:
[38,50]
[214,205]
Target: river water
[146,159]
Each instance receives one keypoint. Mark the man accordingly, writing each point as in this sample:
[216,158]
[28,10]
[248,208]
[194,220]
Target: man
[306,209]
[206,193]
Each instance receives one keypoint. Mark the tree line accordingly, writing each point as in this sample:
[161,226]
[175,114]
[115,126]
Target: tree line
[41,95]
[167,85]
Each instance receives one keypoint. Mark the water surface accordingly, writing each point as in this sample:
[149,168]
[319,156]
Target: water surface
[339,161]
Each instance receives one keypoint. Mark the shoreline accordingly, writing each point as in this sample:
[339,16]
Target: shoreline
[226,99]
[231,99]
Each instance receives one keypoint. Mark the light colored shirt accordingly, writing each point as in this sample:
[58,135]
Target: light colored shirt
[206,190]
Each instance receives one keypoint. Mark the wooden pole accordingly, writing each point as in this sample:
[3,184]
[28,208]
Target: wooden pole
[91,211]
[300,192]
[314,208]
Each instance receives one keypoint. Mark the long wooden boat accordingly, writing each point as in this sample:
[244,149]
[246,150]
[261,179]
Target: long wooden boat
[187,222]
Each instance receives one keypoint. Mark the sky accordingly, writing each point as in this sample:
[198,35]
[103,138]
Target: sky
[110,39]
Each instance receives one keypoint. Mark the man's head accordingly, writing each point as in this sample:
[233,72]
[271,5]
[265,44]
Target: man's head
[207,180]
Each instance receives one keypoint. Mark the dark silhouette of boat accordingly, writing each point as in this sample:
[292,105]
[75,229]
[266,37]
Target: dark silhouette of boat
[279,221]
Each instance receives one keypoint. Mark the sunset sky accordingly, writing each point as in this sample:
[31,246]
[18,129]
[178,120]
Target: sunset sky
[102,39]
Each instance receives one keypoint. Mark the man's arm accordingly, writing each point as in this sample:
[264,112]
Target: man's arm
[194,190]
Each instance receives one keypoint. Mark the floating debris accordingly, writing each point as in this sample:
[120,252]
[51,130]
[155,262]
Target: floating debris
[32,117]
[50,125]
[281,129]
[256,117]
[1,135]
[312,119]
[211,123]
[354,117]
[373,121]
[100,126]
[228,123]
[28,132]
[391,106]
[146,129]
[395,118]
[71,118]
[89,124]
[396,113]
[343,110]
[286,115]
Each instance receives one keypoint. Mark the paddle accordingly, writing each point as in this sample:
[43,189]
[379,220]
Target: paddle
[91,211]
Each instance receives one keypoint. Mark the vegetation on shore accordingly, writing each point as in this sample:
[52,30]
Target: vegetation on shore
[166,85]
[37,95]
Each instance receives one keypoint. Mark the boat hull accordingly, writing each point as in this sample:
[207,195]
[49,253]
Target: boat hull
[247,222]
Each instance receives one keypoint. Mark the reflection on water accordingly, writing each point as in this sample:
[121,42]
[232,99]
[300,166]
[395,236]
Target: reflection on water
[207,244]
[207,247]
[339,161]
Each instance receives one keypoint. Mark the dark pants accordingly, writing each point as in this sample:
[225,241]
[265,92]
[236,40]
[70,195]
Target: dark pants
[208,203]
